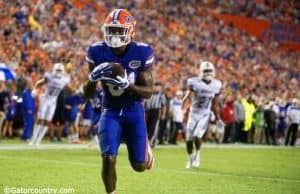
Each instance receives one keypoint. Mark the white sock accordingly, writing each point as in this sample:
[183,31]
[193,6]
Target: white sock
[36,130]
[197,153]
[112,192]
[191,157]
[42,134]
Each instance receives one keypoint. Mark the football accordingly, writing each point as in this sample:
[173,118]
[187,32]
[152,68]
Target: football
[117,70]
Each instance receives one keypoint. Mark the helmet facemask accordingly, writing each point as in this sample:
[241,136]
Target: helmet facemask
[207,71]
[207,74]
[117,35]
[58,70]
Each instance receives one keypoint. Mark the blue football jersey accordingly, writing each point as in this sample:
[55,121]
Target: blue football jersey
[137,58]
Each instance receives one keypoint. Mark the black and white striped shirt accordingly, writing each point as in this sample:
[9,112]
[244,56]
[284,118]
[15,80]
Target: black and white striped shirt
[156,101]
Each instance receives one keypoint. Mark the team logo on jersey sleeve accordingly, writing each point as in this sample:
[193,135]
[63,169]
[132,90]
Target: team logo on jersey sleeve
[135,64]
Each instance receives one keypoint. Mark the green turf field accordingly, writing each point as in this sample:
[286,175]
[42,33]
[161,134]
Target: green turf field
[224,169]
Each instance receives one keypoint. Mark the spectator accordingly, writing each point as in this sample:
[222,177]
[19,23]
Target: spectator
[281,126]
[10,114]
[176,112]
[270,124]
[72,106]
[28,111]
[293,114]
[259,123]
[239,115]
[4,99]
[85,119]
[227,116]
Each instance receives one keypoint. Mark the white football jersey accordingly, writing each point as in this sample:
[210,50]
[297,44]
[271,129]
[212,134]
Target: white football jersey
[204,93]
[55,85]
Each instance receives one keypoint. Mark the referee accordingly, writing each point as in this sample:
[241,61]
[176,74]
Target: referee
[155,108]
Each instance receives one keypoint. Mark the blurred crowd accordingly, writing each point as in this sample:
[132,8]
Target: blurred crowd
[36,34]
[271,10]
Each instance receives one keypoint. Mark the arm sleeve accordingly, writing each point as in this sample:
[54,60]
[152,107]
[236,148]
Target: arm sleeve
[149,58]
[89,58]
[190,84]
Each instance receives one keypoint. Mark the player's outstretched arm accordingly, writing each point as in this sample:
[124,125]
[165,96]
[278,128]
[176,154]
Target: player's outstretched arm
[187,97]
[146,88]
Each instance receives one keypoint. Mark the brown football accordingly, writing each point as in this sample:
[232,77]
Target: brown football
[117,70]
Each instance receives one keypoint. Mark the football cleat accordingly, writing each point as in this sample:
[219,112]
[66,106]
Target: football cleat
[191,158]
[150,159]
[189,164]
[196,161]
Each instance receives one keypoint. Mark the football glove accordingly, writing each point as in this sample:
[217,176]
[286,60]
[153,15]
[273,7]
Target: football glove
[100,72]
[119,81]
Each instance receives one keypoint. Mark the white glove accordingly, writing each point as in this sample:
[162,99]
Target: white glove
[100,72]
[121,82]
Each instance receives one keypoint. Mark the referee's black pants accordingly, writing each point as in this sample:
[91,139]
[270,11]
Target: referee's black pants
[152,119]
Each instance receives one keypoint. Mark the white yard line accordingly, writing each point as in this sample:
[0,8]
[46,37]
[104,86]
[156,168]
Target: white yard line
[174,171]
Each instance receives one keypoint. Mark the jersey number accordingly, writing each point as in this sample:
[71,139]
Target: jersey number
[115,90]
[53,91]
[203,102]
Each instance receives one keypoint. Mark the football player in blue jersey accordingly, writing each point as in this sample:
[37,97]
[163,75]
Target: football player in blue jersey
[123,112]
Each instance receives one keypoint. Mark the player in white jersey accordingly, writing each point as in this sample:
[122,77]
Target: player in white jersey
[55,81]
[203,93]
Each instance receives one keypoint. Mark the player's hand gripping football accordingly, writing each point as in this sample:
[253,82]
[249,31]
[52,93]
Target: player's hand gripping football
[101,72]
[120,81]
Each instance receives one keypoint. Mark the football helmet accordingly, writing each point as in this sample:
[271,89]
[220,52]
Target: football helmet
[207,71]
[58,69]
[118,28]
